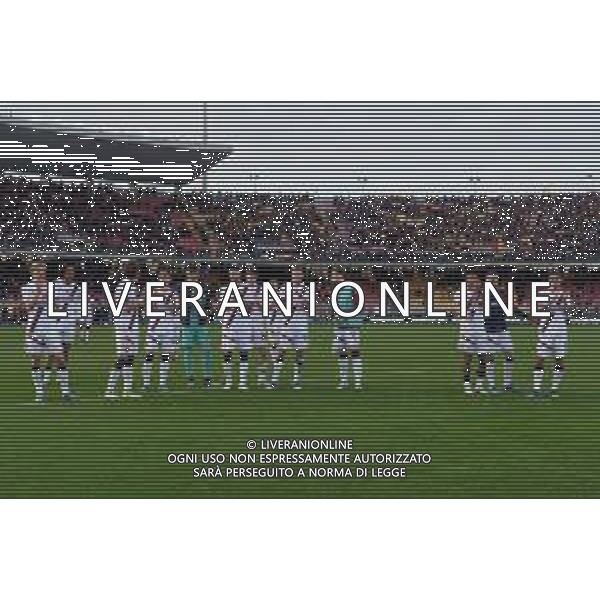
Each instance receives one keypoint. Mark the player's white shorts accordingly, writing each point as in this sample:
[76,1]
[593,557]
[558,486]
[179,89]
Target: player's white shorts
[345,339]
[291,336]
[552,344]
[501,342]
[127,335]
[239,336]
[43,343]
[260,332]
[474,344]
[164,337]
[472,337]
[67,329]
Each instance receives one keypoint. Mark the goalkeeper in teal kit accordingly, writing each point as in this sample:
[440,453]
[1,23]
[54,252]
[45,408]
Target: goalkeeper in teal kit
[346,340]
[195,337]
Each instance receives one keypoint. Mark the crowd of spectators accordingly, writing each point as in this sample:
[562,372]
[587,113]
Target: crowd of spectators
[59,217]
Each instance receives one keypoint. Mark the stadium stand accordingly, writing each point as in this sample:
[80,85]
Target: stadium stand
[51,216]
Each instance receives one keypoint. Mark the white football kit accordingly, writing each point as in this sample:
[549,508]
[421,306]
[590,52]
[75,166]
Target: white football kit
[292,332]
[258,323]
[345,339]
[472,337]
[237,331]
[42,336]
[552,339]
[163,332]
[127,325]
[501,342]
[67,298]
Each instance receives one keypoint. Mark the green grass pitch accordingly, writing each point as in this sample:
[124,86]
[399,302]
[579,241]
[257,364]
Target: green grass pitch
[494,446]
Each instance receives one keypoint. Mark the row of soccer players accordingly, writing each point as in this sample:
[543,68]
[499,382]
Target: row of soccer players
[271,341]
[483,338]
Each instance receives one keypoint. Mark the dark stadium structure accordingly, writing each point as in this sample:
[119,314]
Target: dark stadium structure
[65,192]
[53,153]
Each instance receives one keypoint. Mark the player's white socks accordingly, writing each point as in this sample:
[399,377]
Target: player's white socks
[128,378]
[163,373]
[37,376]
[62,376]
[480,377]
[538,378]
[557,377]
[147,373]
[113,379]
[490,373]
[343,368]
[479,383]
[228,373]
[243,373]
[467,379]
[261,375]
[508,372]
[277,368]
[297,377]
[357,370]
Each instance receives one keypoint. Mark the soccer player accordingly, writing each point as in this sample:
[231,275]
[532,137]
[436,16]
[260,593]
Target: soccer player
[291,334]
[500,341]
[85,323]
[42,338]
[162,333]
[472,338]
[68,296]
[127,331]
[195,334]
[552,337]
[236,335]
[346,339]
[259,333]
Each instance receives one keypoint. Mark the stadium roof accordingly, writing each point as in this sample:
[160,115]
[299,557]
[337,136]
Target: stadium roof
[68,155]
